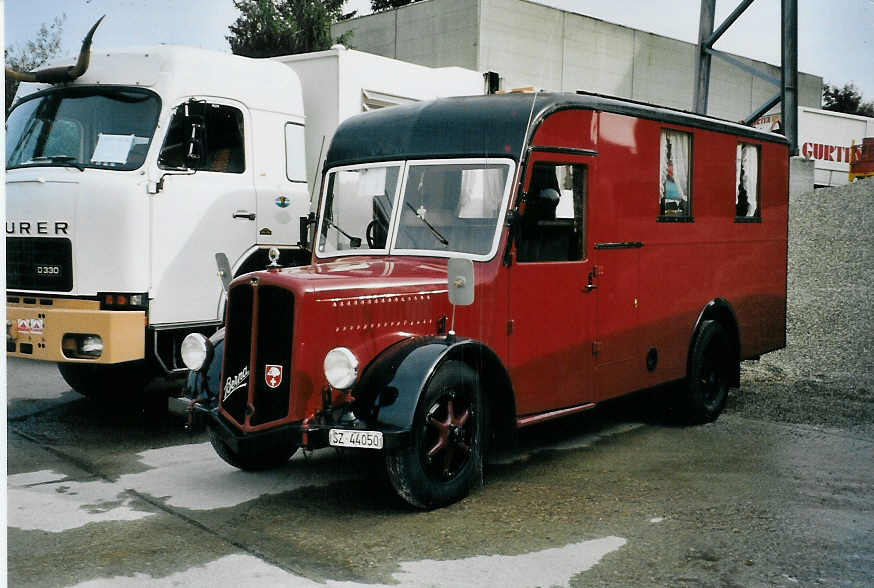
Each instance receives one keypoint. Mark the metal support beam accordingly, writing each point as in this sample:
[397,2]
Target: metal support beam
[789,73]
[747,68]
[728,22]
[702,60]
[761,110]
[788,83]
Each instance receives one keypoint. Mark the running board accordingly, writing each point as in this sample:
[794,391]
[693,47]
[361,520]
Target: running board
[553,414]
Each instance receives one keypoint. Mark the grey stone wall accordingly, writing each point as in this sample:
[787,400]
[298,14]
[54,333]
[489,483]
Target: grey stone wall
[534,45]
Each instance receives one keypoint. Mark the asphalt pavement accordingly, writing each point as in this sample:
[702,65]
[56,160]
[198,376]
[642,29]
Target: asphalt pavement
[103,497]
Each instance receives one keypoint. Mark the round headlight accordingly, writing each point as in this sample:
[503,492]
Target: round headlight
[196,351]
[341,368]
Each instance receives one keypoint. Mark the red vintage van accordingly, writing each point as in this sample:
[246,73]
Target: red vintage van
[598,246]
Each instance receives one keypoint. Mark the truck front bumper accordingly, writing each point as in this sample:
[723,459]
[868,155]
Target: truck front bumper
[45,328]
[309,436]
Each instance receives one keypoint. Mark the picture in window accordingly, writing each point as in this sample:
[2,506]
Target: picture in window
[747,181]
[674,172]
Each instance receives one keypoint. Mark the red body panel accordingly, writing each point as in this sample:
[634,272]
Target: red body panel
[562,344]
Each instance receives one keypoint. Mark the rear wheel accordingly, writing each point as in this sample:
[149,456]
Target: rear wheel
[709,373]
[264,460]
[444,458]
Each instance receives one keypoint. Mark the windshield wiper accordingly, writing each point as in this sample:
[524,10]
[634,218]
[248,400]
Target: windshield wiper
[354,242]
[68,160]
[437,234]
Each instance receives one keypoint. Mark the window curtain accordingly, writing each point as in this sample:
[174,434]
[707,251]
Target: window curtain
[481,191]
[680,153]
[747,179]
[679,161]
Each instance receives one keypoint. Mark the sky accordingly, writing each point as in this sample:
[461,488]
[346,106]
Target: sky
[836,37]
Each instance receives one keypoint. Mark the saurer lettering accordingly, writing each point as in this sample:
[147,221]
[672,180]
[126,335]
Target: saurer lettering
[37,228]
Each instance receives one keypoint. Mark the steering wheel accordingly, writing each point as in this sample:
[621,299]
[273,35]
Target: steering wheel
[370,234]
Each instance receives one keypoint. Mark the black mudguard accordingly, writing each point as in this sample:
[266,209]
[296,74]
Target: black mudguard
[389,390]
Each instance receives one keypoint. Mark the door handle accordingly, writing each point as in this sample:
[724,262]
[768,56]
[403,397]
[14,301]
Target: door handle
[590,286]
[244,214]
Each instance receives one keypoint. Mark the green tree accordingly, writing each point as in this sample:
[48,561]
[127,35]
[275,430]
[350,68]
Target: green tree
[34,53]
[377,5]
[266,28]
[846,99]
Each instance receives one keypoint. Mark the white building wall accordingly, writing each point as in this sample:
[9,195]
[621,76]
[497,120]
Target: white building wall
[523,42]
[374,33]
[662,71]
[438,33]
[432,33]
[530,44]
[599,53]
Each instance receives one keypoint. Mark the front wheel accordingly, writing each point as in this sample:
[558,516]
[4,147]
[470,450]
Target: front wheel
[709,373]
[105,381]
[264,460]
[444,459]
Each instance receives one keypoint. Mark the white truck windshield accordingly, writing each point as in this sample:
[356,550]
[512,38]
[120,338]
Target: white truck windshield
[444,207]
[102,127]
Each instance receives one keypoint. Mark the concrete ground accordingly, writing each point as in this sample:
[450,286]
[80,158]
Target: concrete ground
[100,497]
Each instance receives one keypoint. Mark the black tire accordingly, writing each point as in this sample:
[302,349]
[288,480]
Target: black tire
[710,371]
[108,382]
[444,459]
[265,460]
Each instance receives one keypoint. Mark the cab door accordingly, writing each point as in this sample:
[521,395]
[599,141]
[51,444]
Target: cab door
[550,332]
[201,207]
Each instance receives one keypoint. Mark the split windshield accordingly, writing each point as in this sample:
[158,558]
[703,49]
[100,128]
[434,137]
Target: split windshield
[443,207]
[102,127]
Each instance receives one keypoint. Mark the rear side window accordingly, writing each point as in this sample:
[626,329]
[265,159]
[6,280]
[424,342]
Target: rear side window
[295,153]
[675,176]
[746,195]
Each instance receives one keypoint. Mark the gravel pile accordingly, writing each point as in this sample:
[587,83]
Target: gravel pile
[825,376]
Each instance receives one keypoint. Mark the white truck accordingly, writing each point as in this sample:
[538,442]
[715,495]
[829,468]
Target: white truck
[132,184]
[830,139]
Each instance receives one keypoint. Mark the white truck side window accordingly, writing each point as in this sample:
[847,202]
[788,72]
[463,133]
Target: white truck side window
[223,140]
[295,158]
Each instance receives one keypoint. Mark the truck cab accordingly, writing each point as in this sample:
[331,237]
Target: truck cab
[129,188]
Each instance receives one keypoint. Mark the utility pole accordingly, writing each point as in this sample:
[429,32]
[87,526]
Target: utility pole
[702,63]
[789,72]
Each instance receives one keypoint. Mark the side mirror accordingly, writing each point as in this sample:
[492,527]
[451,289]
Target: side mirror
[461,283]
[224,270]
[305,223]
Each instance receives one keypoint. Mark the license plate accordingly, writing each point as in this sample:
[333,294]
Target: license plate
[361,439]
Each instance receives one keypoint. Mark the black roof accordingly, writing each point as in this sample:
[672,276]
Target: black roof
[487,126]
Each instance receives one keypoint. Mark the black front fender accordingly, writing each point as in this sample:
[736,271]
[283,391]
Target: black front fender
[390,388]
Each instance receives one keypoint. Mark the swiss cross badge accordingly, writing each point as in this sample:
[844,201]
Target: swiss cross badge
[273,375]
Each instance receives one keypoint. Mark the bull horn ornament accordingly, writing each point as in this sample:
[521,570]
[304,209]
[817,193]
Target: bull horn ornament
[60,74]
